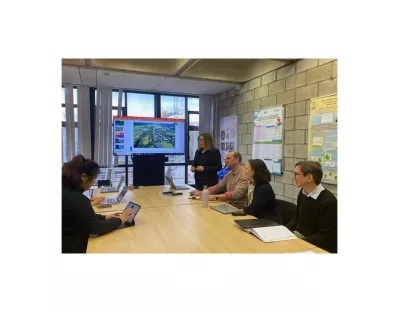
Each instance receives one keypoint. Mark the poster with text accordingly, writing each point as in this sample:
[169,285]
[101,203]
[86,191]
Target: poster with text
[228,133]
[268,138]
[322,136]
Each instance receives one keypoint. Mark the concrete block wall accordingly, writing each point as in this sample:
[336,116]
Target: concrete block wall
[291,86]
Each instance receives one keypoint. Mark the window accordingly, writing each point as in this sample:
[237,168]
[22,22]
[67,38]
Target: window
[116,174]
[75,94]
[193,112]
[63,124]
[193,120]
[63,114]
[64,142]
[193,135]
[172,107]
[140,105]
[190,176]
[115,98]
[193,104]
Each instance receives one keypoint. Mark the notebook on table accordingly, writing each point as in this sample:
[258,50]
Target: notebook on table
[269,234]
[224,208]
[247,224]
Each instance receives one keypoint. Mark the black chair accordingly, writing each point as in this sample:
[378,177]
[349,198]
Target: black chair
[286,210]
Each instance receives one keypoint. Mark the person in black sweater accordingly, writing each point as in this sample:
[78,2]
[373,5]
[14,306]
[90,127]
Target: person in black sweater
[262,198]
[316,216]
[78,217]
[206,163]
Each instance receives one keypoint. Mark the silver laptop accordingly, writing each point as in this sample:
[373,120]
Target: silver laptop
[108,176]
[121,195]
[225,209]
[176,187]
[109,189]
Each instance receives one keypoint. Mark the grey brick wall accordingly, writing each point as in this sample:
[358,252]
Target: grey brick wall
[291,86]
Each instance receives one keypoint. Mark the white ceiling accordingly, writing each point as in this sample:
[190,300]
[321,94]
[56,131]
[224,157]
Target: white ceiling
[133,81]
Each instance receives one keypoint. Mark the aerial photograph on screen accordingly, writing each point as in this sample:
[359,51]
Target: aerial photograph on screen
[160,135]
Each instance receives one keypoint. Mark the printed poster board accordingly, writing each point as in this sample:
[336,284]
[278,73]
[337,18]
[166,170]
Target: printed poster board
[322,136]
[268,138]
[228,134]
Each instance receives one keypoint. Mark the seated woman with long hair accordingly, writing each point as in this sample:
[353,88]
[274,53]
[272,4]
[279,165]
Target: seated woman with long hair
[78,217]
[261,196]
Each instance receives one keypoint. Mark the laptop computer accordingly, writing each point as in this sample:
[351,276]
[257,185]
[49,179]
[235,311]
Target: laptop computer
[176,186]
[108,176]
[121,195]
[224,208]
[109,189]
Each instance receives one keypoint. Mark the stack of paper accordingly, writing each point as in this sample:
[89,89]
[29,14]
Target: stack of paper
[272,233]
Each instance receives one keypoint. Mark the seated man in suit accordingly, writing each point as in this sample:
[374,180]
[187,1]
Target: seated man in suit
[316,216]
[234,185]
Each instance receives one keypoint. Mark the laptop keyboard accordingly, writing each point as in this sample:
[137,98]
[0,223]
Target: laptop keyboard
[225,208]
[109,189]
[181,187]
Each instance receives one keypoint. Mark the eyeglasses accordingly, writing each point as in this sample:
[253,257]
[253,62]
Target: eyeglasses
[296,174]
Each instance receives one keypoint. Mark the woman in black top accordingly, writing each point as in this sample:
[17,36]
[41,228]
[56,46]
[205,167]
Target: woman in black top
[206,163]
[78,217]
[263,204]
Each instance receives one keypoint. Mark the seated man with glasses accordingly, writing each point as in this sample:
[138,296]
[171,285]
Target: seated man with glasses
[316,216]
[234,185]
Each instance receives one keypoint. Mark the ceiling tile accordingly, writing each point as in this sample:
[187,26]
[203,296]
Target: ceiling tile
[70,75]
[128,81]
[88,76]
[186,86]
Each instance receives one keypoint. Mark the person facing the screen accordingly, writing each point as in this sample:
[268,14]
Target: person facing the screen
[233,187]
[225,169]
[261,196]
[78,217]
[206,163]
[316,215]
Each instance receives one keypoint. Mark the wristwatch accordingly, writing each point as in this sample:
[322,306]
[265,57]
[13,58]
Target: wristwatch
[216,197]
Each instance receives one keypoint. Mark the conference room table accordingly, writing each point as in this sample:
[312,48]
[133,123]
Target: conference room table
[177,224]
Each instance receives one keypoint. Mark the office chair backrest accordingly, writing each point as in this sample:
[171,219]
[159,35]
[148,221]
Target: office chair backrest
[286,210]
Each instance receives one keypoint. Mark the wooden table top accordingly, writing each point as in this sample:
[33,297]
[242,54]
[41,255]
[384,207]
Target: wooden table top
[187,229]
[147,197]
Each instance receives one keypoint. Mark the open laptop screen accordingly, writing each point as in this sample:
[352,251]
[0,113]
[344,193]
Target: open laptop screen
[122,194]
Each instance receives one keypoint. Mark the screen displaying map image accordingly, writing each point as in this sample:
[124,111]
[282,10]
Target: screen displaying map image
[154,135]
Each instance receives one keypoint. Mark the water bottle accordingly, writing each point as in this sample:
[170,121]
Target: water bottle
[204,196]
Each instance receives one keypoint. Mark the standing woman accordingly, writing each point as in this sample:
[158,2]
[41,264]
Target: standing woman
[261,195]
[78,217]
[206,163]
